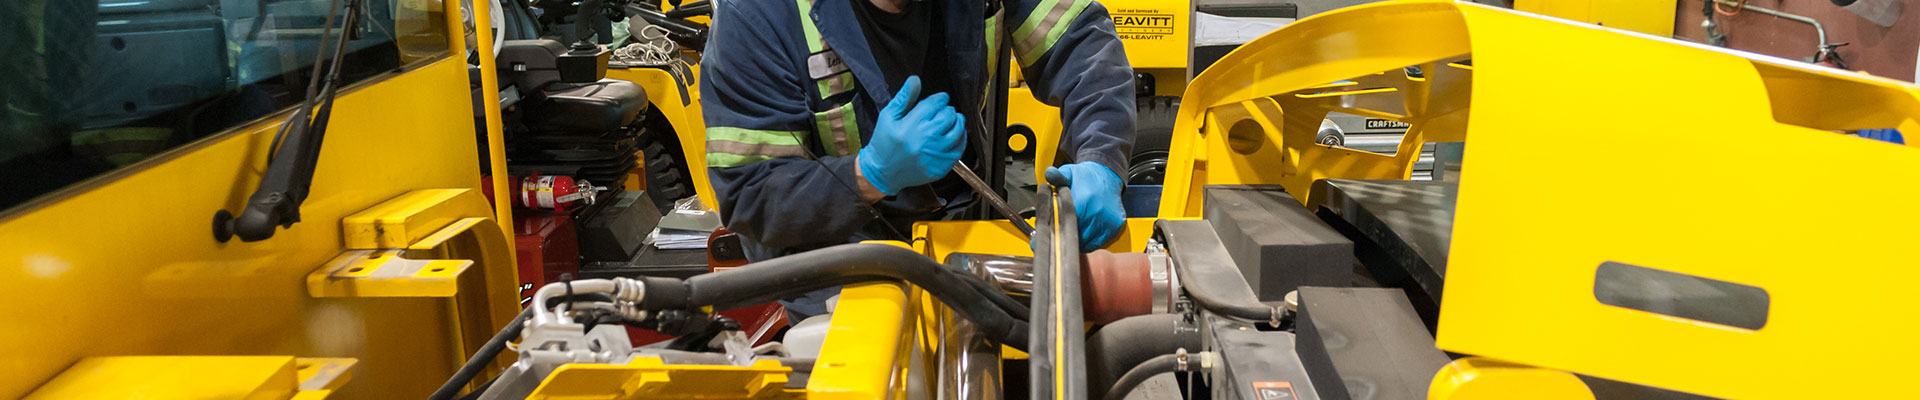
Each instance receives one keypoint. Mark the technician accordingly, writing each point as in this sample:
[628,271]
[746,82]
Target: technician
[834,121]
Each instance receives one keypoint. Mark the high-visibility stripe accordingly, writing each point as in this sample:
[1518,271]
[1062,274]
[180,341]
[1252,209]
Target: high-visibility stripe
[729,146]
[814,43]
[834,85]
[1043,28]
[839,130]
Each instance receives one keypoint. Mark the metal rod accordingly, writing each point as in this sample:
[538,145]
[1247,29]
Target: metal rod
[1817,28]
[993,198]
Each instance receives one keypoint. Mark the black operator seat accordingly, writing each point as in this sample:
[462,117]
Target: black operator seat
[555,105]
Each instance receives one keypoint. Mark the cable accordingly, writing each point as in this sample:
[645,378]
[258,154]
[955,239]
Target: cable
[1153,366]
[482,358]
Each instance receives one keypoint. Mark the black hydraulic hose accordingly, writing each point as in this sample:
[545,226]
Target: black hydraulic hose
[482,358]
[1153,366]
[835,266]
[1121,345]
[1212,302]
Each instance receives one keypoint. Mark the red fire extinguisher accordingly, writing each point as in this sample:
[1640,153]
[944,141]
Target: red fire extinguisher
[554,192]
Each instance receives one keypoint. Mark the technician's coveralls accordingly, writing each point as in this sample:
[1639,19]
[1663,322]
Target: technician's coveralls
[790,90]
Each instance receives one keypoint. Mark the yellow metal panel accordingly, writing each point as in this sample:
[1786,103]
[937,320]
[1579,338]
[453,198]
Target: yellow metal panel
[683,114]
[1155,33]
[650,378]
[323,374]
[1704,182]
[385,273]
[405,219]
[1733,179]
[1244,121]
[1653,17]
[129,262]
[174,377]
[1476,378]
[871,323]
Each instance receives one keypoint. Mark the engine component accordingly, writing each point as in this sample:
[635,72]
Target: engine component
[1365,343]
[1279,245]
[1113,285]
[1206,272]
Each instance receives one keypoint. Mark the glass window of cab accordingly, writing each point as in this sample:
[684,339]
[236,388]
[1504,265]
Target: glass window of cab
[88,88]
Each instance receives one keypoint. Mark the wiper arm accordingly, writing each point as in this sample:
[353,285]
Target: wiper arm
[296,147]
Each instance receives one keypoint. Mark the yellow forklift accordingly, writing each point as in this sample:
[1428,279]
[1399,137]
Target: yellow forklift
[163,246]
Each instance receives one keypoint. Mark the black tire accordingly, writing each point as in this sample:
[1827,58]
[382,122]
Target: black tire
[1152,136]
[667,177]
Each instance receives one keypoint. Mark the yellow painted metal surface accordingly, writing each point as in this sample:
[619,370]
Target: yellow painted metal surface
[1653,17]
[495,132]
[385,273]
[321,376]
[128,263]
[650,378]
[867,343]
[401,221]
[1252,117]
[175,377]
[683,114]
[1477,378]
[1605,146]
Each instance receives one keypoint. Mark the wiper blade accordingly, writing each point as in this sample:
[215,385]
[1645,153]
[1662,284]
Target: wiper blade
[296,146]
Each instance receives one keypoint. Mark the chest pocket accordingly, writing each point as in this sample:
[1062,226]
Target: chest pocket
[838,127]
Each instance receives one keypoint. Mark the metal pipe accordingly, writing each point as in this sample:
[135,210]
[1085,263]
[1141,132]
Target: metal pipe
[1817,28]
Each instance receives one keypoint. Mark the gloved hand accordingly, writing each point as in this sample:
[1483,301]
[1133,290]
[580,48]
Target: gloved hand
[915,141]
[1096,201]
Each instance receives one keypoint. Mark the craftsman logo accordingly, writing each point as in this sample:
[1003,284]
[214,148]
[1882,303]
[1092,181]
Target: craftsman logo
[1376,123]
[1142,24]
[1273,390]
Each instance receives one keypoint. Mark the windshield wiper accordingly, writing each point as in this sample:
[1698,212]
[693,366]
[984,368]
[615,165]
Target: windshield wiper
[296,147]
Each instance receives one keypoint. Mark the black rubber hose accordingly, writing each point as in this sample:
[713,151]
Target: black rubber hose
[1153,366]
[1120,345]
[1207,300]
[482,358]
[841,265]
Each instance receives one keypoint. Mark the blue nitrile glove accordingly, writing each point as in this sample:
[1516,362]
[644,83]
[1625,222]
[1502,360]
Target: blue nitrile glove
[912,144]
[1096,201]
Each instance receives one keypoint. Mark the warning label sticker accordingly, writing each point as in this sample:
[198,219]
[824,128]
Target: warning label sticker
[1273,390]
[1142,24]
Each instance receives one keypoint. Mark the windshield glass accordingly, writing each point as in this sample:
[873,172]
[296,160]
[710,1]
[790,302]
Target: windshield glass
[88,87]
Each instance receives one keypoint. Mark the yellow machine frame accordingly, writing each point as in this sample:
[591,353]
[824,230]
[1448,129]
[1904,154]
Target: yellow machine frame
[1686,159]
[682,112]
[399,271]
